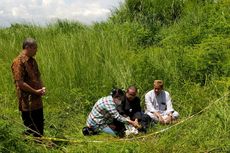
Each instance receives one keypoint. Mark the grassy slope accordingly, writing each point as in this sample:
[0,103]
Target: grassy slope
[80,64]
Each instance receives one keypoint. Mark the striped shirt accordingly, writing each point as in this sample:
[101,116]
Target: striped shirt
[103,113]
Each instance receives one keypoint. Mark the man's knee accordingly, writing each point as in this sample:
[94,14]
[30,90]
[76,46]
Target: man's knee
[175,115]
[137,115]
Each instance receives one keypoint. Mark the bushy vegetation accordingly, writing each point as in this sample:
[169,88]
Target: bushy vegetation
[184,42]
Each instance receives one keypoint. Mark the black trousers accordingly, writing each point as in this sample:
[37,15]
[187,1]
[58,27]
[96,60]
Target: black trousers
[118,127]
[147,121]
[137,115]
[34,121]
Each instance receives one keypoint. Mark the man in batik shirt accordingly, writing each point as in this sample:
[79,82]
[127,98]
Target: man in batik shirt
[29,88]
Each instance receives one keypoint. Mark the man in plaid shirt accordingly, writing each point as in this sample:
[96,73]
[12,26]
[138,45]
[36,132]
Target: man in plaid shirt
[104,112]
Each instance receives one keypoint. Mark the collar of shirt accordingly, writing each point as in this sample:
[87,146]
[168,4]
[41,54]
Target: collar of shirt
[24,57]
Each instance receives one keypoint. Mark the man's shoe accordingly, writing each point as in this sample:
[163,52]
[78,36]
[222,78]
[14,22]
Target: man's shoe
[143,129]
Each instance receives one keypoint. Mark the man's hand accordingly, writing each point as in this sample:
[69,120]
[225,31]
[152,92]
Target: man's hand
[160,118]
[44,90]
[168,119]
[137,125]
[134,123]
[24,86]
[41,92]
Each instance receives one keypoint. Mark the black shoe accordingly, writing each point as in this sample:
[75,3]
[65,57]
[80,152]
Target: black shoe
[143,129]
[89,131]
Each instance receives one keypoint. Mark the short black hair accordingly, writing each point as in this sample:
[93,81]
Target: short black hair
[116,92]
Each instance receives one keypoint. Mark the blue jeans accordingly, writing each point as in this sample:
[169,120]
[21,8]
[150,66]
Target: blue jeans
[109,131]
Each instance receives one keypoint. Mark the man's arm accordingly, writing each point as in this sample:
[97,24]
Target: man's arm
[159,116]
[114,113]
[148,103]
[25,87]
[169,104]
[138,104]
[18,71]
[120,108]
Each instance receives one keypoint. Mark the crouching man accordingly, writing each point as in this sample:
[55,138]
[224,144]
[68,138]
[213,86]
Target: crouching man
[103,114]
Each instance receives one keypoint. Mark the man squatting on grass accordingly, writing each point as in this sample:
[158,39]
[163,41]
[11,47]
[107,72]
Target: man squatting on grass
[131,107]
[159,105]
[103,113]
[29,88]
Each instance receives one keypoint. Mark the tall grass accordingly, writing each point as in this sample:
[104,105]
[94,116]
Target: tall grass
[79,64]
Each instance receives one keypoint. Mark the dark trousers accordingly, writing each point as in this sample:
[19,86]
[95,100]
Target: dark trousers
[34,121]
[147,121]
[136,115]
[118,127]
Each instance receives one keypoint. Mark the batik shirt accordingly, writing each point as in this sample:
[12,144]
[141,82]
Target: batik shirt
[25,69]
[103,113]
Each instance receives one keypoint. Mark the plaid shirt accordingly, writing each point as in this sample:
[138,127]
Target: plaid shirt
[103,113]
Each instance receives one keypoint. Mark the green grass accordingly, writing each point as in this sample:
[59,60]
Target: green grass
[80,64]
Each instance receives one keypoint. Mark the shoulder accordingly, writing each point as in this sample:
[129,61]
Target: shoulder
[17,62]
[21,58]
[166,93]
[102,102]
[108,100]
[149,93]
[137,99]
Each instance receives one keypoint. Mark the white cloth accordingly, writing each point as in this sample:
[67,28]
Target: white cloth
[130,129]
[159,103]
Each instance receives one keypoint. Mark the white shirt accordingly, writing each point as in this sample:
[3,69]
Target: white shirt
[158,103]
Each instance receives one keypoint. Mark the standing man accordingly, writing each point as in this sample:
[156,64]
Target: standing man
[104,113]
[29,88]
[159,105]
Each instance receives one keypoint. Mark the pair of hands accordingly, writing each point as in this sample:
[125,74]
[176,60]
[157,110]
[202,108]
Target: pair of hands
[41,92]
[166,120]
[135,123]
[27,88]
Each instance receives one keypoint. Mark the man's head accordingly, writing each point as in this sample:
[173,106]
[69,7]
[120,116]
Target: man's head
[117,95]
[131,93]
[30,46]
[158,86]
